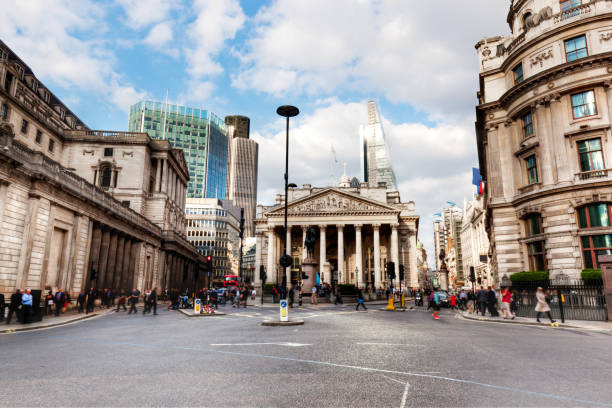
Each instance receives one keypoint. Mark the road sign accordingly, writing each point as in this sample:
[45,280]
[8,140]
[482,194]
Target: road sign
[284,311]
[196,305]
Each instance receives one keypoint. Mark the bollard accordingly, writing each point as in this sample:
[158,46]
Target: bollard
[403,300]
[561,301]
[390,304]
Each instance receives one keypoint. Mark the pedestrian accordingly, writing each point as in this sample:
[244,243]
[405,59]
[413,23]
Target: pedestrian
[214,298]
[59,300]
[435,303]
[89,301]
[514,305]
[109,298]
[153,301]
[14,306]
[2,306]
[337,296]
[463,300]
[482,298]
[145,302]
[542,305]
[121,301]
[360,300]
[506,298]
[313,298]
[291,296]
[49,303]
[26,304]
[81,301]
[253,294]
[133,300]
[492,301]
[453,302]
[274,294]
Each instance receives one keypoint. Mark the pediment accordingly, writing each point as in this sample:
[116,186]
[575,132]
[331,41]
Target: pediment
[332,201]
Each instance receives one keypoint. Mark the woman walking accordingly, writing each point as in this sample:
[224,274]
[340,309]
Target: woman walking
[542,306]
[505,306]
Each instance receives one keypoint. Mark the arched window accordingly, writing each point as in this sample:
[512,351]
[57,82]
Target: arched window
[595,216]
[526,20]
[105,175]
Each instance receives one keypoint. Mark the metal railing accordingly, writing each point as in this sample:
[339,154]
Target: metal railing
[583,300]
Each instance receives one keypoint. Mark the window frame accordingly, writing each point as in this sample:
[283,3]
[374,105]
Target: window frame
[535,168]
[24,126]
[531,126]
[540,223]
[586,48]
[571,6]
[592,250]
[109,149]
[532,255]
[102,171]
[4,111]
[514,76]
[573,107]
[601,150]
[51,146]
[588,216]
[38,137]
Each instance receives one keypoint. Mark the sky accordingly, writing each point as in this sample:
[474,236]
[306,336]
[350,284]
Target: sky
[416,59]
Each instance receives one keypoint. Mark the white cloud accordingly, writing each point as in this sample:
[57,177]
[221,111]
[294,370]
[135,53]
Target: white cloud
[217,21]
[124,96]
[407,51]
[142,13]
[42,33]
[160,35]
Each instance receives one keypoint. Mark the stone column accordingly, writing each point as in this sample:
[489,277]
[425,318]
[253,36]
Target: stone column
[164,180]
[414,276]
[358,256]
[288,252]
[341,277]
[322,254]
[29,230]
[395,249]
[104,247]
[158,169]
[377,275]
[112,260]
[270,268]
[134,262]
[119,262]
[258,245]
[94,250]
[304,250]
[127,251]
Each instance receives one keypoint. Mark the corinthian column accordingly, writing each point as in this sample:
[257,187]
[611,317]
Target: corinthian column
[358,255]
[395,249]
[270,271]
[340,253]
[322,254]
[304,250]
[377,276]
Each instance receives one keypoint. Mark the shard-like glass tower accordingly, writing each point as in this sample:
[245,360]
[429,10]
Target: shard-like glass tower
[375,159]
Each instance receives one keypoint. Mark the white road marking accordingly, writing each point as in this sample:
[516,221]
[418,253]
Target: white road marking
[405,395]
[389,344]
[286,344]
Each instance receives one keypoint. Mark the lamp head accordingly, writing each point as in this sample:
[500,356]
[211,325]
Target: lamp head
[287,111]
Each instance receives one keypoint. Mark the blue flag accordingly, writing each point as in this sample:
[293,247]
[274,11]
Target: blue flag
[476,176]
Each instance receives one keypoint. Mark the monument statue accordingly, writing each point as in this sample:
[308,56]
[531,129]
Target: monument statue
[311,239]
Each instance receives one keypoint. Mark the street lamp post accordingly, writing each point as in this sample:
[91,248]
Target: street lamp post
[286,111]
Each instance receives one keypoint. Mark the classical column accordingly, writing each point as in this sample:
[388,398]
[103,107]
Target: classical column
[414,277]
[358,256]
[304,250]
[104,247]
[112,260]
[127,250]
[377,276]
[322,254]
[119,262]
[134,265]
[258,244]
[395,249]
[164,180]
[94,250]
[270,268]
[341,277]
[158,167]
[288,252]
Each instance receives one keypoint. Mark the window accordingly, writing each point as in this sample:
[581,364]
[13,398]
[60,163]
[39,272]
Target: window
[575,48]
[105,176]
[518,74]
[4,110]
[24,126]
[583,104]
[38,138]
[591,156]
[51,145]
[46,96]
[108,151]
[593,246]
[533,225]
[537,256]
[568,4]
[526,21]
[8,81]
[594,215]
[33,84]
[532,169]
[126,203]
[527,120]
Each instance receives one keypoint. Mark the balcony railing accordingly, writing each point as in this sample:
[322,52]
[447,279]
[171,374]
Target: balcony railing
[529,188]
[587,175]
[105,134]
[573,12]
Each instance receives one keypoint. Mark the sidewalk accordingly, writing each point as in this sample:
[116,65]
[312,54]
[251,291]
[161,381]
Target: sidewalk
[573,324]
[50,321]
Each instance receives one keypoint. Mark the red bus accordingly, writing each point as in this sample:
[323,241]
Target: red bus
[230,280]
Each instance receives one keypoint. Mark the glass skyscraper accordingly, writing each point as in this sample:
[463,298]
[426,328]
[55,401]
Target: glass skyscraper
[202,136]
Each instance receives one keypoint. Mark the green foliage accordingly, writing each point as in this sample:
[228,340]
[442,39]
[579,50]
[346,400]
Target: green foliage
[267,289]
[529,276]
[590,274]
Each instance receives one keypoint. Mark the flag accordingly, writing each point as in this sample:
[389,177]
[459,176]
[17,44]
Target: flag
[476,176]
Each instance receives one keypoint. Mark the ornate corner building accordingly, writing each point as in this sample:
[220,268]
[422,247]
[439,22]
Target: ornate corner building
[81,207]
[544,137]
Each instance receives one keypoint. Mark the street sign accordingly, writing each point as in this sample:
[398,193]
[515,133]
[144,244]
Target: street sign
[284,311]
[196,305]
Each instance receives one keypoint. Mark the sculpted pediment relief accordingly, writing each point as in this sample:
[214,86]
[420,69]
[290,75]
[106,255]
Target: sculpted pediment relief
[333,202]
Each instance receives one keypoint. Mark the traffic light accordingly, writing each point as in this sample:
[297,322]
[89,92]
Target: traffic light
[262,273]
[391,270]
[209,264]
[401,272]
[472,274]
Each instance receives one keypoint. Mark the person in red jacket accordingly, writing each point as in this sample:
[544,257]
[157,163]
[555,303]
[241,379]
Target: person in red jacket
[506,296]
[453,302]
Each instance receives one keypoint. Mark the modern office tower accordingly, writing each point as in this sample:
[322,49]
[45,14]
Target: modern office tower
[202,135]
[374,152]
[242,172]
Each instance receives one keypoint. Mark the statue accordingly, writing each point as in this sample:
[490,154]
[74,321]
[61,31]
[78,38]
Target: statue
[311,239]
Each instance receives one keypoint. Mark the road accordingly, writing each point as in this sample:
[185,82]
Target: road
[338,358]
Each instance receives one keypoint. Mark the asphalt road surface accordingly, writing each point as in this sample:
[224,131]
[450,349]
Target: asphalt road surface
[338,358]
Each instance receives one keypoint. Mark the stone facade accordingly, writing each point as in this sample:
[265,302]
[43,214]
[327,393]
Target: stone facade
[75,203]
[543,131]
[358,229]
[475,243]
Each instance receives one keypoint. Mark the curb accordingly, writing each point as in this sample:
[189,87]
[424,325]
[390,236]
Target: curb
[188,314]
[556,324]
[291,322]
[79,318]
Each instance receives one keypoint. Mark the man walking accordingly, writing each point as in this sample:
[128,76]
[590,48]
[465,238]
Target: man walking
[26,304]
[313,299]
[81,301]
[91,297]
[338,296]
[59,300]
[153,301]
[360,300]
[133,300]
[14,306]
[482,297]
